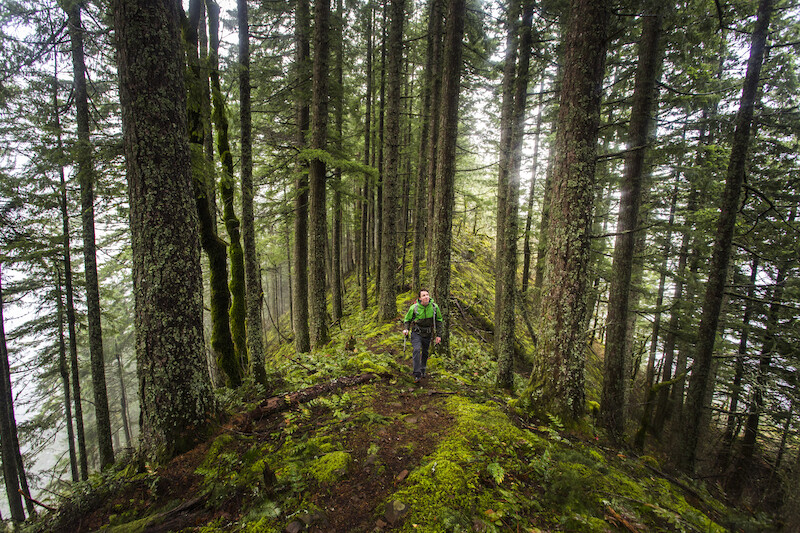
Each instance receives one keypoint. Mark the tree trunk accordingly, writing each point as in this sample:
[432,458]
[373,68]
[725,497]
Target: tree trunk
[723,240]
[9,454]
[318,320]
[252,272]
[302,29]
[526,248]
[63,370]
[387,304]
[73,338]
[557,379]
[504,159]
[431,74]
[123,400]
[215,248]
[338,210]
[175,393]
[507,252]
[615,380]
[446,164]
[365,203]
[238,308]
[86,179]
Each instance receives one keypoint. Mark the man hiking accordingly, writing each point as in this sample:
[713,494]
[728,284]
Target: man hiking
[424,321]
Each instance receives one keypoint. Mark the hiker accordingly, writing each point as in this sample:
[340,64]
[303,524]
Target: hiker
[424,321]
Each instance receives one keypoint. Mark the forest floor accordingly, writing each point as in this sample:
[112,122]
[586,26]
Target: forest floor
[347,442]
[359,453]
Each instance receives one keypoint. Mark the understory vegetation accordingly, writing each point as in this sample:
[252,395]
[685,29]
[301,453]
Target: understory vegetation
[345,441]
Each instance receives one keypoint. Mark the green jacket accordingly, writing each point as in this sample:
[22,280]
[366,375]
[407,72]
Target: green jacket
[423,317]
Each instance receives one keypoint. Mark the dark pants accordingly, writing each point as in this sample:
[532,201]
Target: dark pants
[420,344]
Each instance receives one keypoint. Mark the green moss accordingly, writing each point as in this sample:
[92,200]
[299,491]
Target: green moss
[462,477]
[330,466]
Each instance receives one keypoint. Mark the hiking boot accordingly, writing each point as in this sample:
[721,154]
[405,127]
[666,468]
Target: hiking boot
[416,379]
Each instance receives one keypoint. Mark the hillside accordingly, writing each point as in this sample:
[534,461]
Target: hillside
[350,443]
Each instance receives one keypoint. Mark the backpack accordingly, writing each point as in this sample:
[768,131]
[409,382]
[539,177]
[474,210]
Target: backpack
[416,309]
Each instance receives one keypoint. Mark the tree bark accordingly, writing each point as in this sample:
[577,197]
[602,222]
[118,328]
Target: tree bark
[175,393]
[337,288]
[507,253]
[527,251]
[252,271]
[615,381]
[318,319]
[420,217]
[723,240]
[86,179]
[8,426]
[446,164]
[215,248]
[302,342]
[238,308]
[83,462]
[365,200]
[63,370]
[557,380]
[387,304]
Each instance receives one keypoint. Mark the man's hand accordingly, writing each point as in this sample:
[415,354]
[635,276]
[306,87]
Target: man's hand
[405,333]
[438,340]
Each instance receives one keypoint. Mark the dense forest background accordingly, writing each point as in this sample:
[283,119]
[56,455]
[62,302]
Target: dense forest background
[634,165]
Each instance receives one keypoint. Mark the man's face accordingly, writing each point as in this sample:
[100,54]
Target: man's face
[424,297]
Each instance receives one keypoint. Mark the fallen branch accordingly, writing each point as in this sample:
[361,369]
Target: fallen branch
[277,404]
[37,502]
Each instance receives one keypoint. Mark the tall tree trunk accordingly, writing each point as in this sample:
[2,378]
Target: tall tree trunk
[507,253]
[504,159]
[338,213]
[86,179]
[723,240]
[63,370]
[83,461]
[175,393]
[527,251]
[215,248]
[615,380]
[302,29]
[446,163]
[420,217]
[238,308]
[557,379]
[365,203]
[252,272]
[9,454]
[318,320]
[387,304]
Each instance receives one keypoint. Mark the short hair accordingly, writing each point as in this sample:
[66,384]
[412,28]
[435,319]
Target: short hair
[419,295]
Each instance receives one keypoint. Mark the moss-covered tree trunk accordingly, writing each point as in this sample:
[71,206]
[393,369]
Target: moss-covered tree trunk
[527,249]
[227,186]
[175,394]
[86,179]
[723,241]
[387,302]
[557,379]
[615,378]
[203,182]
[364,234]
[318,320]
[252,271]
[302,30]
[439,269]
